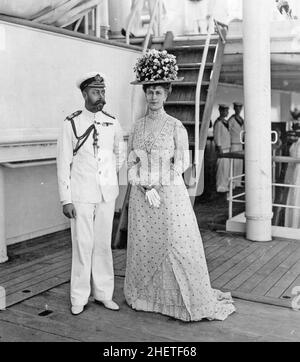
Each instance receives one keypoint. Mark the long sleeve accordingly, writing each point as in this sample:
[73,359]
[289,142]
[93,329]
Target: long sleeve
[218,134]
[133,162]
[119,146]
[182,153]
[64,161]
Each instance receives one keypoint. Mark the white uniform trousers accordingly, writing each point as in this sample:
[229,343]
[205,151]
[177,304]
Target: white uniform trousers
[92,263]
[237,165]
[223,173]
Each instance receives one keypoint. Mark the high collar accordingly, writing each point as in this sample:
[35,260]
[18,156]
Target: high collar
[160,113]
[90,115]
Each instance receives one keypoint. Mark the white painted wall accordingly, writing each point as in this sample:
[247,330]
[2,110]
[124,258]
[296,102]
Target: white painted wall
[38,71]
[32,205]
[38,74]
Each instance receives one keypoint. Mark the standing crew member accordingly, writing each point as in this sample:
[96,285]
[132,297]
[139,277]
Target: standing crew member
[222,142]
[236,126]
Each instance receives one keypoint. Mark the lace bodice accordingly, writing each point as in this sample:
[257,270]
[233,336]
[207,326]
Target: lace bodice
[158,150]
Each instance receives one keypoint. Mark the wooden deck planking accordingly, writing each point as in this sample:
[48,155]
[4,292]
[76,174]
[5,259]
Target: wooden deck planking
[251,322]
[216,262]
[234,265]
[239,267]
[35,289]
[41,245]
[287,294]
[26,272]
[14,332]
[211,249]
[225,249]
[288,278]
[228,264]
[95,324]
[44,274]
[21,266]
[266,284]
[268,268]
[23,281]
[240,278]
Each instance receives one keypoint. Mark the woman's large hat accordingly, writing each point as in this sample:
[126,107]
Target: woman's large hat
[156,67]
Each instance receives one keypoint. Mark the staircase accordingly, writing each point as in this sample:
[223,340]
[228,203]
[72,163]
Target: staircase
[181,104]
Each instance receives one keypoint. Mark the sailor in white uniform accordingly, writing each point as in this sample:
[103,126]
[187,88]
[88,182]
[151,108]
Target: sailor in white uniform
[91,151]
[222,142]
[236,126]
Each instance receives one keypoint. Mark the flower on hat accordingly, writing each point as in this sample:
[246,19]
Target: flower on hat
[156,65]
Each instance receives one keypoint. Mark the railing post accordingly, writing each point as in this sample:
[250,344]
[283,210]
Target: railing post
[86,24]
[3,250]
[93,15]
[98,21]
[104,25]
[231,188]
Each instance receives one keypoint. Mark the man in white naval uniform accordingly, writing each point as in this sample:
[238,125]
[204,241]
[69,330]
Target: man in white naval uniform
[236,126]
[90,153]
[222,142]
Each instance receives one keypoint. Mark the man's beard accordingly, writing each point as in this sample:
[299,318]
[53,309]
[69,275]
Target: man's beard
[97,106]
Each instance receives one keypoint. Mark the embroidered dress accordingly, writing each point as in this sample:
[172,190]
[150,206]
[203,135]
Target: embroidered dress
[166,267]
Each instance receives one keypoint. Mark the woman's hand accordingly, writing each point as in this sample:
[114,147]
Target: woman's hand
[153,197]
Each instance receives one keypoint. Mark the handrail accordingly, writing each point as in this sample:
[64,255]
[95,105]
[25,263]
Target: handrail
[233,198]
[218,26]
[21,164]
[198,94]
[95,10]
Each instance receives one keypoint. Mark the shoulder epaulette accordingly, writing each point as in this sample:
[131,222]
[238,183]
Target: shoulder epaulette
[109,115]
[73,115]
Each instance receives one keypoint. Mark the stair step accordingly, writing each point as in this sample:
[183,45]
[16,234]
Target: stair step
[183,103]
[133,41]
[193,42]
[188,84]
[189,47]
[194,65]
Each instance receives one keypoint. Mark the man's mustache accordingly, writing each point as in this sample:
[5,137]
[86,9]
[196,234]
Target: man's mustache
[100,102]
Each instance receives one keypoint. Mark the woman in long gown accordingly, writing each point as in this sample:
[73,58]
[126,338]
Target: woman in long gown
[166,268]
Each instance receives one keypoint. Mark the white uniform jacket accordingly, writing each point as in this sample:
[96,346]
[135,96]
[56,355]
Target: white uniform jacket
[87,177]
[235,128]
[221,135]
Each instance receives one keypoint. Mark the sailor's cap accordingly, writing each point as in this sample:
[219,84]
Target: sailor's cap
[91,79]
[238,104]
[223,106]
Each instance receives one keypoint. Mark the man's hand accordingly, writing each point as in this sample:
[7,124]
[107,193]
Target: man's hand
[69,211]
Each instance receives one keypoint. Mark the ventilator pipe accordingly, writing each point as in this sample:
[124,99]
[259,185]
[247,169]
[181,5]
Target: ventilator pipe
[257,94]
